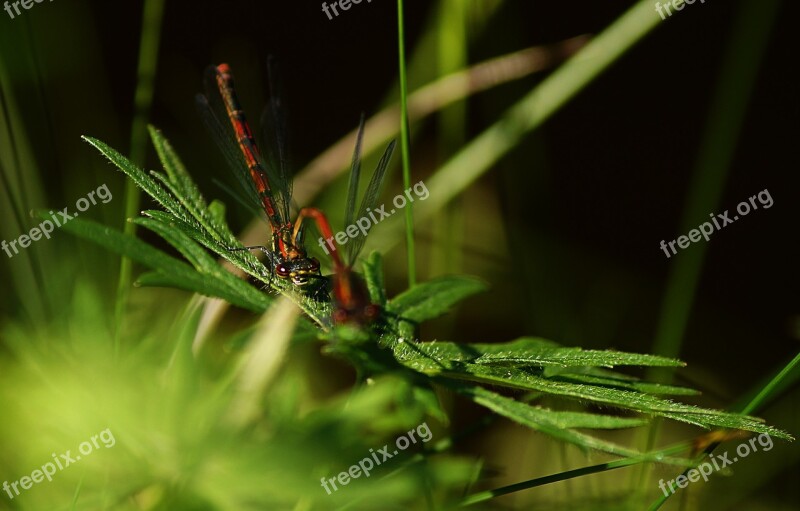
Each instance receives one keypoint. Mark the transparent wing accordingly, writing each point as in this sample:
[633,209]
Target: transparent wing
[240,198]
[275,139]
[370,200]
[355,176]
[225,118]
[224,136]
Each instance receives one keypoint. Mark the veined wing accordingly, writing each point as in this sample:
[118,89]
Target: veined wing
[226,121]
[370,200]
[275,143]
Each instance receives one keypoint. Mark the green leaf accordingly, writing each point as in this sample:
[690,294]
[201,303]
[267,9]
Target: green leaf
[178,181]
[203,263]
[190,229]
[426,397]
[569,420]
[176,170]
[373,274]
[433,298]
[637,401]
[243,260]
[199,284]
[128,246]
[170,271]
[217,212]
[178,239]
[141,179]
[558,424]
[639,386]
[530,351]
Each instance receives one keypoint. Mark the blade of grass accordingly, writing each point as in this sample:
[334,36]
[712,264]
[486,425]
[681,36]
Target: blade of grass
[483,496]
[21,180]
[775,389]
[446,254]
[771,386]
[143,98]
[404,149]
[74,505]
[261,360]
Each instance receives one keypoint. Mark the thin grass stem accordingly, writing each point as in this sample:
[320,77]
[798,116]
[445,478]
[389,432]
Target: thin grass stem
[143,99]
[404,145]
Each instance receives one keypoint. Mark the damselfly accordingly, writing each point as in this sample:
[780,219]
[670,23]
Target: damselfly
[350,295]
[266,182]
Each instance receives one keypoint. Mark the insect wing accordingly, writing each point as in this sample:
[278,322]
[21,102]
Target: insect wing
[370,200]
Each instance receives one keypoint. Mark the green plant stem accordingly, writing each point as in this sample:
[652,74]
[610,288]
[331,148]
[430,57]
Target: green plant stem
[768,389]
[483,496]
[143,98]
[404,145]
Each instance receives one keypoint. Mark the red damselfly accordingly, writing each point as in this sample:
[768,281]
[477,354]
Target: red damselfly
[266,181]
[350,295]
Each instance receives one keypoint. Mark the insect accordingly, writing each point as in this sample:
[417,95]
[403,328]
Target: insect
[350,294]
[266,181]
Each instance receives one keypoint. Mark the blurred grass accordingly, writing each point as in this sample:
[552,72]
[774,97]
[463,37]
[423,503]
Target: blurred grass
[22,188]
[738,72]
[735,83]
[153,13]
[177,443]
[405,151]
[448,228]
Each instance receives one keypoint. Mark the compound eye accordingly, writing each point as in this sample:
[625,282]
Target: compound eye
[282,271]
[314,265]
